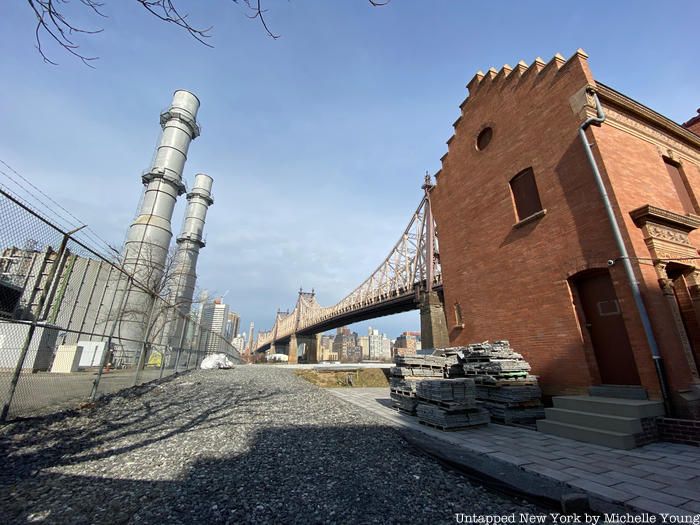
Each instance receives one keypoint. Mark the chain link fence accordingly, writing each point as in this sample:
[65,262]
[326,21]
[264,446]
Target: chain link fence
[63,305]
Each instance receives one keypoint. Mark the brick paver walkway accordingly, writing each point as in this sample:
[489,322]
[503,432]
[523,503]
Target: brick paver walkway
[658,478]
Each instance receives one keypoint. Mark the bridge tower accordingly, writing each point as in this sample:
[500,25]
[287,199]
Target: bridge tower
[433,326]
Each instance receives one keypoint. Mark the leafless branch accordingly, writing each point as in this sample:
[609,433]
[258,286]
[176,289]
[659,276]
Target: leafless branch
[53,21]
[166,11]
[258,12]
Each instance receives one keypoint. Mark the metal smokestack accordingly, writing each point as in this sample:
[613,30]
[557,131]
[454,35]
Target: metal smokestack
[189,242]
[148,239]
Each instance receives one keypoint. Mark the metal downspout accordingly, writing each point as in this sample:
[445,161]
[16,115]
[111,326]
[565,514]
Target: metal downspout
[624,256]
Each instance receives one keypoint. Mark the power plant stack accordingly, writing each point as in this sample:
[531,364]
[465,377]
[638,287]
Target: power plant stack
[148,240]
[189,242]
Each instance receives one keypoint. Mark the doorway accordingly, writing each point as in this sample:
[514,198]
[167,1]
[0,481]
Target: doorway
[602,318]
[686,308]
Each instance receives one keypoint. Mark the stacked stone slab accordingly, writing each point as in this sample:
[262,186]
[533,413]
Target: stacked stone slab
[449,404]
[409,371]
[445,419]
[504,385]
[419,387]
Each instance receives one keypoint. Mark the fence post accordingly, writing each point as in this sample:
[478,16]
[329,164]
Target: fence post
[162,362]
[105,355]
[179,346]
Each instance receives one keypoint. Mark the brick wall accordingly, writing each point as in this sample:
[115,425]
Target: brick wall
[650,431]
[679,430]
[637,175]
[512,281]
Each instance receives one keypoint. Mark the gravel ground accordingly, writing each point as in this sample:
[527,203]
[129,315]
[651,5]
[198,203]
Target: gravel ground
[248,445]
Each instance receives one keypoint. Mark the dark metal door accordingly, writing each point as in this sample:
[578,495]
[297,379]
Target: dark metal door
[603,319]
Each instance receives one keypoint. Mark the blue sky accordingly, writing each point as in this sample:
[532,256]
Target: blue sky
[317,141]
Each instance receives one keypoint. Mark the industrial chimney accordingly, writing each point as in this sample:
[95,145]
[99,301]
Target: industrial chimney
[190,241]
[148,239]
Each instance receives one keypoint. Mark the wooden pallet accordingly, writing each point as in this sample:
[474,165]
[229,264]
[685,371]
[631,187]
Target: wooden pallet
[450,405]
[405,393]
[450,429]
[404,412]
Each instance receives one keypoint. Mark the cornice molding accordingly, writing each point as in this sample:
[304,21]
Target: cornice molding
[606,93]
[648,213]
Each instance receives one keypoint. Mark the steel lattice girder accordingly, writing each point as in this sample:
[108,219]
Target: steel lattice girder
[404,269]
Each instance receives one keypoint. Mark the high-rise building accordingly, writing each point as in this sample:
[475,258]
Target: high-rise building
[327,353]
[239,343]
[346,345]
[375,344]
[233,322]
[214,319]
[386,347]
[363,341]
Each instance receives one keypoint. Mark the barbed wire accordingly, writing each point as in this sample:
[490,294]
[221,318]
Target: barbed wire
[68,224]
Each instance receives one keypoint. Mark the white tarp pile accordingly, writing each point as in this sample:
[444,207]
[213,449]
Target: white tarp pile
[214,361]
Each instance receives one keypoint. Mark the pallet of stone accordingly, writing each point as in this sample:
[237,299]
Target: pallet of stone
[406,386]
[526,380]
[496,377]
[448,419]
[419,361]
[495,364]
[449,390]
[404,404]
[509,394]
[513,414]
[402,371]
[505,365]
[452,406]
[453,371]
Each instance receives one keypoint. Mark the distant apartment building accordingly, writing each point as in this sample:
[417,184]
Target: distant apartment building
[363,341]
[386,348]
[375,344]
[238,343]
[346,345]
[326,350]
[214,320]
[407,343]
[233,324]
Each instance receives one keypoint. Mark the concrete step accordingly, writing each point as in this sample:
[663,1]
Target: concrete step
[624,425]
[619,391]
[610,406]
[588,435]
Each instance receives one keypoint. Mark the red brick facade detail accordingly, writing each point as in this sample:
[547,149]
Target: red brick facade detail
[693,124]
[679,430]
[513,280]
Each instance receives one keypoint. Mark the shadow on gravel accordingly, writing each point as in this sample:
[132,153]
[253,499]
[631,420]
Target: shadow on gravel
[300,474]
[28,446]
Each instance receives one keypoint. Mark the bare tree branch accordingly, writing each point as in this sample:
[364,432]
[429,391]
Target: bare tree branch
[166,11]
[50,20]
[53,21]
[257,12]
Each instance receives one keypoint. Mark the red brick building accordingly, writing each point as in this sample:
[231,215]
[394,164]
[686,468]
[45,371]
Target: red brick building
[528,252]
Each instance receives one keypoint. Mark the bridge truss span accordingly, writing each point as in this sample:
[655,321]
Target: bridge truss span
[412,267]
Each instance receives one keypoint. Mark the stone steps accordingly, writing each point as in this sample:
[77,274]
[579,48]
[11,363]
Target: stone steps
[624,425]
[589,435]
[608,421]
[610,406]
